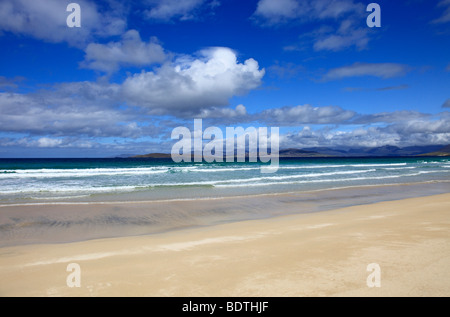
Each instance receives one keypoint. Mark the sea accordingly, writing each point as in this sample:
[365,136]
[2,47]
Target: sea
[34,181]
[68,200]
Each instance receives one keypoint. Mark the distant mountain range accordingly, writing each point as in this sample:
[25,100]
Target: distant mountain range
[387,150]
[445,151]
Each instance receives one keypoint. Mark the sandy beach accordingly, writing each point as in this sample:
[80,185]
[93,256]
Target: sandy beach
[316,254]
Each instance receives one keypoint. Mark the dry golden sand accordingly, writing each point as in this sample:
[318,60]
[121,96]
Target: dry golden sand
[319,254]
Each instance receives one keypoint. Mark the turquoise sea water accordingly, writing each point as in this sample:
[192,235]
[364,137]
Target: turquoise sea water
[50,180]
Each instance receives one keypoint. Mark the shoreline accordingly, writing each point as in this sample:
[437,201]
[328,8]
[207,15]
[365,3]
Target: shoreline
[64,222]
[311,254]
[126,202]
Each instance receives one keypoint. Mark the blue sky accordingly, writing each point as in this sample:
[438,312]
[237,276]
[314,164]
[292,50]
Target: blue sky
[135,70]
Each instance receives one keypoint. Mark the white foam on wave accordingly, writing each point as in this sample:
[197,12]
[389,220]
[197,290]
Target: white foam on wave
[266,178]
[325,180]
[400,168]
[87,172]
[69,189]
[76,173]
[51,188]
[296,176]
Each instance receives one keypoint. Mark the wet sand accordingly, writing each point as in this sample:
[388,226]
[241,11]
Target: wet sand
[314,254]
[72,221]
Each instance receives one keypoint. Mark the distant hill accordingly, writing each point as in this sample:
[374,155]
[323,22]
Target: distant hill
[152,155]
[124,155]
[286,153]
[445,151]
[300,153]
[387,150]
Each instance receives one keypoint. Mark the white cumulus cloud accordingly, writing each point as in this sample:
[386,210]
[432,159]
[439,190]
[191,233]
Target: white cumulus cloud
[282,11]
[48,142]
[46,20]
[130,51]
[382,70]
[342,22]
[305,114]
[166,10]
[189,85]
